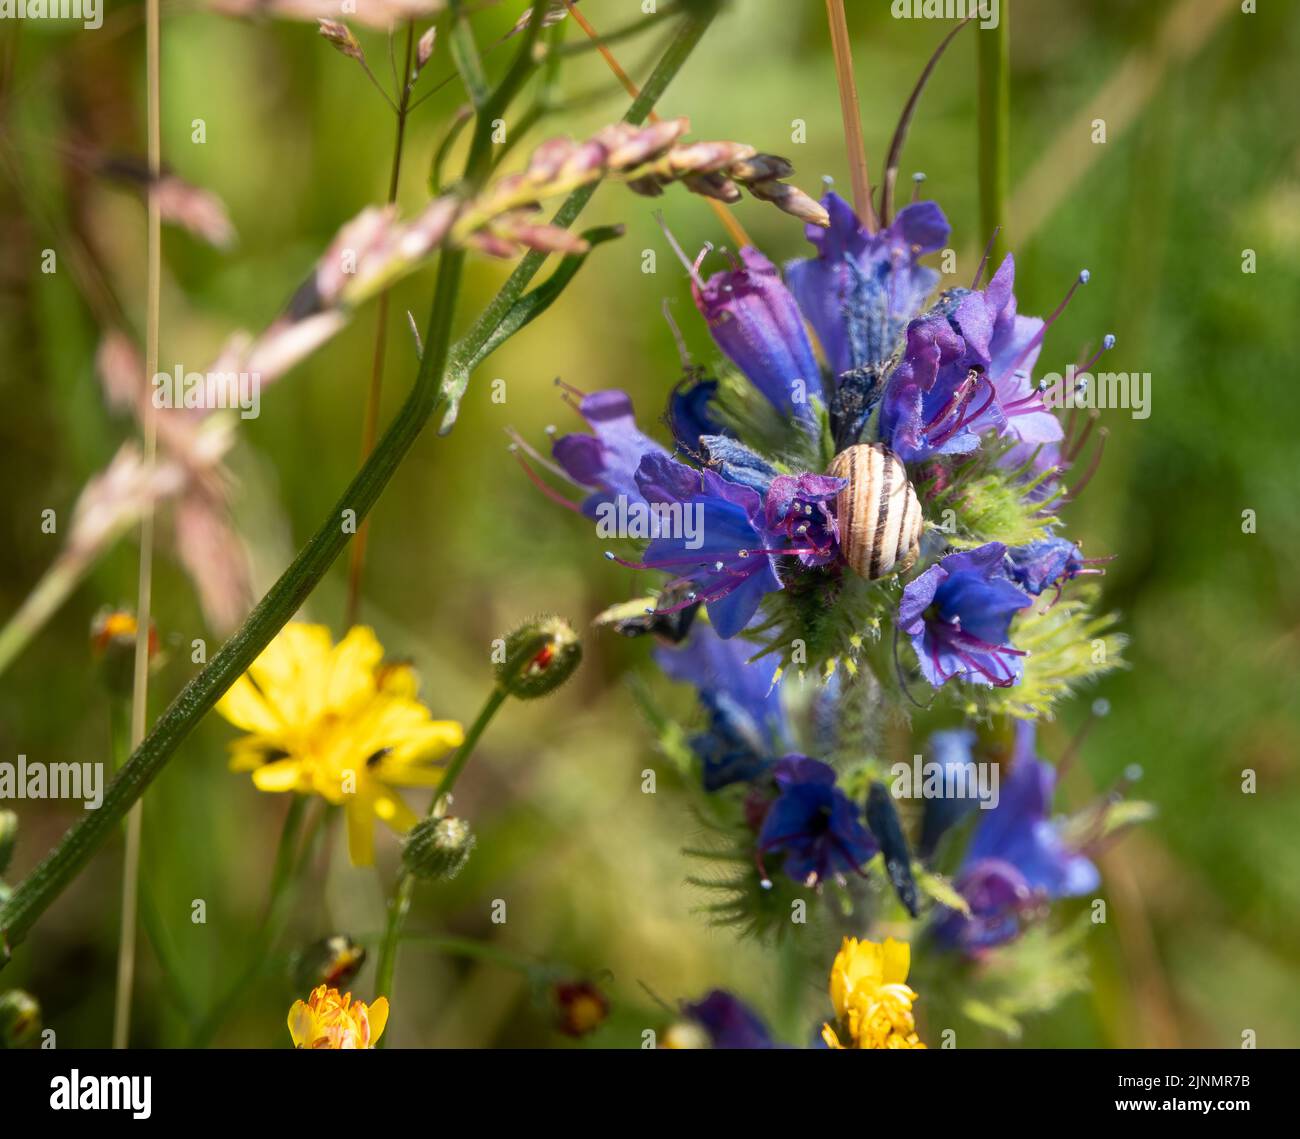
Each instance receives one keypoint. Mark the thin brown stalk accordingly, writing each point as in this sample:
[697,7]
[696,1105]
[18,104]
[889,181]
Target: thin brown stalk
[370,429]
[728,219]
[144,593]
[859,174]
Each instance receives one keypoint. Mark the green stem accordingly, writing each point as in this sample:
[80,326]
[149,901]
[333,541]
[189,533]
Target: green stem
[404,889]
[34,895]
[490,708]
[994,131]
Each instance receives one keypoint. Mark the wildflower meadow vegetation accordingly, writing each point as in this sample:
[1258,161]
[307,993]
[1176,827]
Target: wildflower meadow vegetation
[670,524]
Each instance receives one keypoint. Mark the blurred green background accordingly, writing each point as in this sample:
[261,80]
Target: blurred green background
[1201,162]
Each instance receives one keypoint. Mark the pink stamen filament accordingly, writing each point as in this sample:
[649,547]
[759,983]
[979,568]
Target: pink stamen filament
[550,492]
[963,420]
[1041,334]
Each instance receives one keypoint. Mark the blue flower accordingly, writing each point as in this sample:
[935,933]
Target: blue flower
[729,1022]
[689,413]
[958,614]
[747,725]
[861,289]
[728,563]
[737,463]
[755,321]
[1017,859]
[607,460]
[953,751]
[1048,561]
[814,823]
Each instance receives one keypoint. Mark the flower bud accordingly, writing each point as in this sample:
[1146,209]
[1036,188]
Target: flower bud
[424,49]
[20,1019]
[582,1007]
[8,838]
[438,848]
[332,961]
[112,637]
[340,35]
[540,656]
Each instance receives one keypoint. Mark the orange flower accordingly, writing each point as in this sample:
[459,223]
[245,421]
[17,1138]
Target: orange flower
[327,1020]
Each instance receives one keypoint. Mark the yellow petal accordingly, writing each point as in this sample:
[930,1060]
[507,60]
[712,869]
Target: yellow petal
[244,707]
[896,960]
[352,668]
[377,1014]
[300,1024]
[394,811]
[293,672]
[361,831]
[250,752]
[282,775]
[398,679]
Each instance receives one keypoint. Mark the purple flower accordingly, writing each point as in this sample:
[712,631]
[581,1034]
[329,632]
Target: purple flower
[861,289]
[936,401]
[814,823]
[958,614]
[729,1022]
[755,321]
[747,725]
[607,460]
[727,561]
[1017,859]
[1013,346]
[798,506]
[966,371]
[1048,561]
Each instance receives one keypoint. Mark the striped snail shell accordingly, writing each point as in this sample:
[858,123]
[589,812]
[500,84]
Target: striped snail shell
[879,514]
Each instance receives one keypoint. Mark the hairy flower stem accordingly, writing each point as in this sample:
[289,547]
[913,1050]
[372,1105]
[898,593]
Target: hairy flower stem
[435,379]
[144,593]
[994,133]
[370,431]
[404,889]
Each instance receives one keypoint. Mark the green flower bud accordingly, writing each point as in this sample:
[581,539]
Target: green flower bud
[332,961]
[8,838]
[438,848]
[20,1019]
[112,639]
[540,655]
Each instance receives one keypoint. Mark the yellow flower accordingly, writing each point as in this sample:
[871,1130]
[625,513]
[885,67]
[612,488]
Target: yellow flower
[327,1020]
[335,721]
[873,1005]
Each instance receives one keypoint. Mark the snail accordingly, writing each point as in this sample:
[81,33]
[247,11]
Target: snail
[878,512]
